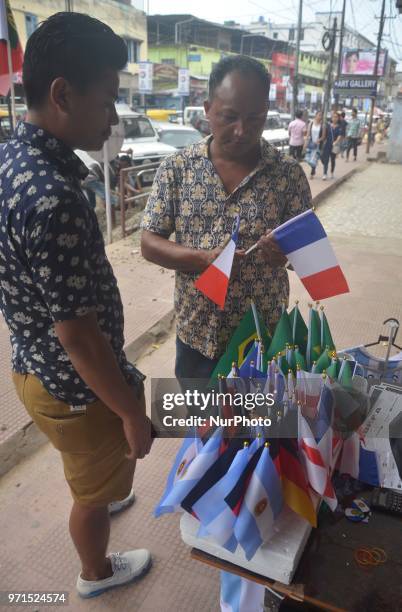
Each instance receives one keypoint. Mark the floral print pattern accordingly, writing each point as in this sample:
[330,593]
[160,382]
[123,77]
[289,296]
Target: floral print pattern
[188,199]
[53,264]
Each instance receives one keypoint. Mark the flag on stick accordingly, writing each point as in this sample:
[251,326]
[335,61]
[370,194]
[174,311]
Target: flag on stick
[241,343]
[214,281]
[261,506]
[306,245]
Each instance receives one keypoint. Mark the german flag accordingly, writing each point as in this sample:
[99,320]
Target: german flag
[284,453]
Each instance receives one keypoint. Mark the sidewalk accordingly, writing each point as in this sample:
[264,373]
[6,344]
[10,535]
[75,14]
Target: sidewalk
[148,315]
[37,552]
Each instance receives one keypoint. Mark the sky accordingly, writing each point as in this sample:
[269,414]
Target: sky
[360,14]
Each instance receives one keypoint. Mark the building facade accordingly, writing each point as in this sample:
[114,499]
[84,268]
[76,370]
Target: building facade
[126,20]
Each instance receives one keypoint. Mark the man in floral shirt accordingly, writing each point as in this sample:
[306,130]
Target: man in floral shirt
[198,193]
[59,296]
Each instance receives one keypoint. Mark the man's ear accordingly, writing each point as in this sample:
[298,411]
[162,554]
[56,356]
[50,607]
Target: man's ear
[61,94]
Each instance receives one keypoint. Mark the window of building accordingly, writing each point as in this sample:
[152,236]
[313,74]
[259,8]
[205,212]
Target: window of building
[168,60]
[291,33]
[133,49]
[31,23]
[275,35]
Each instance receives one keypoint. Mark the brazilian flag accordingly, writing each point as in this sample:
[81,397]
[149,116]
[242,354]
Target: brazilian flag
[241,343]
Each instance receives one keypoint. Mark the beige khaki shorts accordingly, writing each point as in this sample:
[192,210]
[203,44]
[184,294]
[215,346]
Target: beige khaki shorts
[91,442]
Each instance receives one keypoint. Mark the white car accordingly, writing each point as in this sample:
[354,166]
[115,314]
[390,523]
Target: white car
[141,140]
[274,133]
[177,135]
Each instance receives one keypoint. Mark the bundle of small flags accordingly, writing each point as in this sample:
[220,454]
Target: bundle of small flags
[237,488]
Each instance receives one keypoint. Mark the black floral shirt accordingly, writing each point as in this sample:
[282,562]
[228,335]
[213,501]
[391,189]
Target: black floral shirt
[189,199]
[53,265]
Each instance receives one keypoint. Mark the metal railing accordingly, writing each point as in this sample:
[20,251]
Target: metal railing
[138,173]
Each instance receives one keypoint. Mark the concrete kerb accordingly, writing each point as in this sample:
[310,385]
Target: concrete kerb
[28,439]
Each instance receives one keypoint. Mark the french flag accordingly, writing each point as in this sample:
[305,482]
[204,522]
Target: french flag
[359,460]
[214,281]
[304,242]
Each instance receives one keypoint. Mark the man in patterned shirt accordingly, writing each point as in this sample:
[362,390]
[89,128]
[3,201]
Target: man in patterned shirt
[198,193]
[58,292]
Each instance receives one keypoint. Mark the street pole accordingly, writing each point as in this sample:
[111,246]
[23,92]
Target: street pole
[296,72]
[377,58]
[327,99]
[340,48]
[69,6]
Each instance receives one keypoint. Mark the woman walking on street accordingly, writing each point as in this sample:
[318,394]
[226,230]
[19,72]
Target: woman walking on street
[332,145]
[353,135]
[316,134]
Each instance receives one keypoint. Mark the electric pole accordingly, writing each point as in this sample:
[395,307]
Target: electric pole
[296,69]
[69,6]
[341,39]
[327,99]
[377,59]
[338,72]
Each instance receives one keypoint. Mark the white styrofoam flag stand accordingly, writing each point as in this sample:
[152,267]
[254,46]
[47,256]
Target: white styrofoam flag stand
[277,559]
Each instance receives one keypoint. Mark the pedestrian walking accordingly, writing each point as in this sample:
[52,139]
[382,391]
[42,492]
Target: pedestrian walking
[297,132]
[344,125]
[332,145]
[59,295]
[315,137]
[353,132]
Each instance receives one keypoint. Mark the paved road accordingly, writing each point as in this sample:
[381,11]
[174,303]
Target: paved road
[368,205]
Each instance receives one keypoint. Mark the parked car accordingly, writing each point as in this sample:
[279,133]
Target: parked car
[192,113]
[178,136]
[275,133]
[163,114]
[141,141]
[285,118]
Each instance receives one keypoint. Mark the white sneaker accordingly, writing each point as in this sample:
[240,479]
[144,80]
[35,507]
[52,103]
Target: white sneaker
[332,176]
[126,568]
[324,178]
[118,506]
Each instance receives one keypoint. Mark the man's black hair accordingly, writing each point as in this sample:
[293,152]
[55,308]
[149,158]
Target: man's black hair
[74,46]
[354,110]
[351,53]
[299,114]
[244,64]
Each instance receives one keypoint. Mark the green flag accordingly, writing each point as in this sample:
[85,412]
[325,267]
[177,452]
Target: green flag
[326,336]
[313,350]
[282,336]
[345,375]
[283,364]
[299,328]
[240,344]
[300,361]
[333,369]
[324,362]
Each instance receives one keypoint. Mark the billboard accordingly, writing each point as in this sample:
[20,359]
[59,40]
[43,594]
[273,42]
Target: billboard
[362,62]
[358,87]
